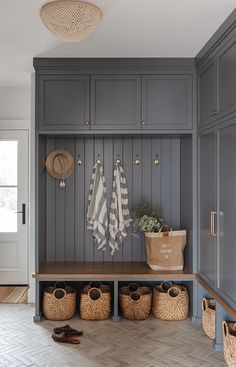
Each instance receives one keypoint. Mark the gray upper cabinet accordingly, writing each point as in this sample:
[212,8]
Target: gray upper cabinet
[208,208]
[227,210]
[217,85]
[115,102]
[207,94]
[167,102]
[227,78]
[63,102]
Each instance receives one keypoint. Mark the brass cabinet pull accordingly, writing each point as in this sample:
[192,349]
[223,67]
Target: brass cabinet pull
[213,229]
[144,123]
[92,123]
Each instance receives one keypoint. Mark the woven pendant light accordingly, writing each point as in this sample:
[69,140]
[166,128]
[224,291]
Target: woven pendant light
[70,20]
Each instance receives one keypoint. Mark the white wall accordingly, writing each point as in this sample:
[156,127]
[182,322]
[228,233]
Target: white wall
[15,103]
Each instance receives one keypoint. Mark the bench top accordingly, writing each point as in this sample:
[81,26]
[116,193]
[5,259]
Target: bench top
[107,270]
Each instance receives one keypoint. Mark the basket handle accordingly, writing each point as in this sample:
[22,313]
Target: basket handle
[95,284]
[57,290]
[92,290]
[60,285]
[171,292]
[204,304]
[225,328]
[165,226]
[166,285]
[133,287]
[135,296]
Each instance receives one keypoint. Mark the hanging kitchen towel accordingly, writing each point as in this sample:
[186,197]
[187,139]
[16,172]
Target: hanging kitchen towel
[119,218]
[97,220]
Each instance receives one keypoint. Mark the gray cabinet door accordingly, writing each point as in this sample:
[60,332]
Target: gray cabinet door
[227,78]
[227,208]
[63,102]
[115,102]
[208,203]
[167,102]
[207,94]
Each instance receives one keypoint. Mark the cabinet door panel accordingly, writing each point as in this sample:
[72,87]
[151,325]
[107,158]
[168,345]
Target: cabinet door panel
[207,87]
[227,206]
[166,102]
[208,249]
[227,79]
[63,102]
[115,101]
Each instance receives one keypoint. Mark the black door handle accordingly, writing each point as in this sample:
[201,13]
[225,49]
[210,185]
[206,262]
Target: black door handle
[23,213]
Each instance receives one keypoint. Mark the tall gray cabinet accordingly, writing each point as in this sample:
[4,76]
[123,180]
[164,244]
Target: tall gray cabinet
[208,206]
[227,210]
[216,165]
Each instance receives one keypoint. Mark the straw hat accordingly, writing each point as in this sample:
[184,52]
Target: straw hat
[60,164]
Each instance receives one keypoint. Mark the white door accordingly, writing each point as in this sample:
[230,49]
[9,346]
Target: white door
[14,182]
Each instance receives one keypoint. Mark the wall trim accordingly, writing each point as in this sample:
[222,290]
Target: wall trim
[15,124]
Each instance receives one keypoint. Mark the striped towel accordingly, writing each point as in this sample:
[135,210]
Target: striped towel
[119,219]
[97,220]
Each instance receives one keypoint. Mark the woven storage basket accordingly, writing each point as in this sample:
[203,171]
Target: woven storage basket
[172,304]
[229,342]
[95,303]
[59,303]
[135,305]
[209,317]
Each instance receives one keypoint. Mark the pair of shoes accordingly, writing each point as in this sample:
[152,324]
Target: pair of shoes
[66,334]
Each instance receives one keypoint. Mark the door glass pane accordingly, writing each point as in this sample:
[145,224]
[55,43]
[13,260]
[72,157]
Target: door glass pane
[8,163]
[8,207]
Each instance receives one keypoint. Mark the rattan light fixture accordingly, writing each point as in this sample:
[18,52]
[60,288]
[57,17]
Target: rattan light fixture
[70,20]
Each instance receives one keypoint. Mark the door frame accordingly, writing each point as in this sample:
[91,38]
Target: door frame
[16,125]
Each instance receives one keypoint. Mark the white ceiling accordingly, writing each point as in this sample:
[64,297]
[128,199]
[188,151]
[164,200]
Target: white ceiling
[130,28]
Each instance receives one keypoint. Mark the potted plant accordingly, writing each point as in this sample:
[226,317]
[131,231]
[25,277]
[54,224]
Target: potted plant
[147,219]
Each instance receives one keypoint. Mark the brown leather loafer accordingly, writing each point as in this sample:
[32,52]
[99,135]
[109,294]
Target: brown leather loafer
[65,338]
[68,330]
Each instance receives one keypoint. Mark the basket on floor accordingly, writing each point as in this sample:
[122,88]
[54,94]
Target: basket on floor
[229,342]
[209,317]
[135,305]
[170,304]
[59,303]
[95,302]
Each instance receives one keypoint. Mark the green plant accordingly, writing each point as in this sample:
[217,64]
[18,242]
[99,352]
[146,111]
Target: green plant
[146,218]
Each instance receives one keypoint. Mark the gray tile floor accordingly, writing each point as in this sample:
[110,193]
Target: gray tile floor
[150,343]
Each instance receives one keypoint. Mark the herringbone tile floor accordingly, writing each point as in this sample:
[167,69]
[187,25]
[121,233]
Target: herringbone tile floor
[150,343]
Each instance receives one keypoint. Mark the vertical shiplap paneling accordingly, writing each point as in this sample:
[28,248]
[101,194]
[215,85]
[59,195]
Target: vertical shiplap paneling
[50,209]
[137,192]
[70,208]
[146,182]
[166,179]
[108,171]
[98,153]
[127,162]
[118,154]
[156,173]
[175,183]
[42,199]
[80,201]
[60,214]
[66,235]
[89,163]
